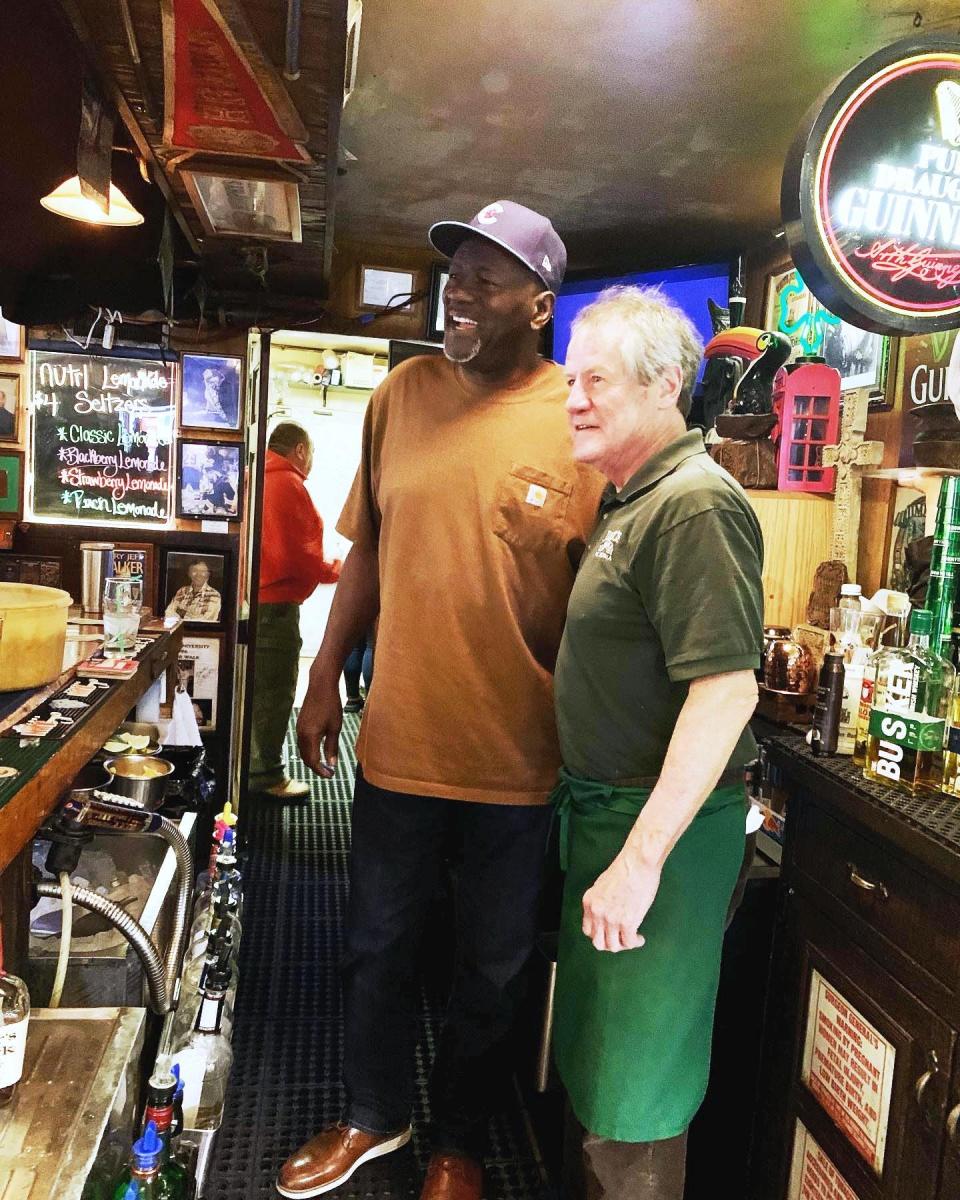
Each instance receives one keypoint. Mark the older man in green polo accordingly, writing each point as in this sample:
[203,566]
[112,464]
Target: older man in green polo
[654,687]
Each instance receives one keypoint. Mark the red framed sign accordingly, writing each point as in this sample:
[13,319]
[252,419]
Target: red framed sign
[871,191]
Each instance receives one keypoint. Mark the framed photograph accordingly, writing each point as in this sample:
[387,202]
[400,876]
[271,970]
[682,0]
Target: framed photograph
[197,672]
[193,586]
[862,358]
[11,484]
[384,287]
[209,480]
[240,203]
[210,391]
[438,281]
[135,560]
[12,340]
[9,408]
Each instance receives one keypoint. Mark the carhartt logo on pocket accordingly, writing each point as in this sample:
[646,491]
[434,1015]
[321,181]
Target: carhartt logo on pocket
[607,544]
[536,495]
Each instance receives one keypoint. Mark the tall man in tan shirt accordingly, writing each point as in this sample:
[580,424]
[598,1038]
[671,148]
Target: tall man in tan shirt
[467,518]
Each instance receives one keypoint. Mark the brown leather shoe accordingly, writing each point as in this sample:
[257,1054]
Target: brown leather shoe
[453,1177]
[331,1157]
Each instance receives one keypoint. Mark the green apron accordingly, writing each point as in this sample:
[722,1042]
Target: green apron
[632,1030]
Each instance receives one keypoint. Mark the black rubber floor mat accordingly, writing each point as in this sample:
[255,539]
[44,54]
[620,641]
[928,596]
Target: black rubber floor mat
[287,1037]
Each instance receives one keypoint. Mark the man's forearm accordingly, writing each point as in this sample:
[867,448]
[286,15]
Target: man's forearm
[354,609]
[712,718]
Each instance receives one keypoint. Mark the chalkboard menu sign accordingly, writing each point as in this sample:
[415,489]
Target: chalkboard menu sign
[102,438]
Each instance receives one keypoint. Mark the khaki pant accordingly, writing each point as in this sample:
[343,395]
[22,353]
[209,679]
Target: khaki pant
[276,661]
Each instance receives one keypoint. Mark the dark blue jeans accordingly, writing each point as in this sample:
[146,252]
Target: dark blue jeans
[360,659]
[400,843]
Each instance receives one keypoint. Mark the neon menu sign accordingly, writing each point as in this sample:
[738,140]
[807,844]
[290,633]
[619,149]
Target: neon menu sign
[871,191]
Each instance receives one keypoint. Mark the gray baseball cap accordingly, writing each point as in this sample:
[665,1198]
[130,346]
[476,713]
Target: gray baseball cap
[524,233]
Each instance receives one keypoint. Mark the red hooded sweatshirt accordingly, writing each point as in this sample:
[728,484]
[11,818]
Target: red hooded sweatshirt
[291,543]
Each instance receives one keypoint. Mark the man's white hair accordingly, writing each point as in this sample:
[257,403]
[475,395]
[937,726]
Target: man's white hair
[651,333]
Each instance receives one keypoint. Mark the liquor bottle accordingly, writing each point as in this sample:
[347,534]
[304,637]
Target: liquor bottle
[219,947]
[205,1057]
[898,612]
[161,1096]
[226,881]
[14,1019]
[146,1170]
[911,702]
[944,565]
[213,918]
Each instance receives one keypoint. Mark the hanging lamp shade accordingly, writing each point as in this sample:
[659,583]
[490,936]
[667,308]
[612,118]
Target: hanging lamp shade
[68,201]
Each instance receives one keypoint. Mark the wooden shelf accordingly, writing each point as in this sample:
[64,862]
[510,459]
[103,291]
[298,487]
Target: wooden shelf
[26,811]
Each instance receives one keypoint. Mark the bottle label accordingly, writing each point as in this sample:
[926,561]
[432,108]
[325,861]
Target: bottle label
[210,1014]
[13,1045]
[914,731]
[162,1117]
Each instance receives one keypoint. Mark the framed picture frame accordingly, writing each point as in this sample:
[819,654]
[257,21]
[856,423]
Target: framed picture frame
[210,480]
[10,418]
[197,672]
[439,274]
[192,586]
[11,483]
[385,287]
[137,560]
[862,358]
[12,341]
[237,202]
[211,388]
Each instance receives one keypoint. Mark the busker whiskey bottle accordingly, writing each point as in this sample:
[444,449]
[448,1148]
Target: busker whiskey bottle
[911,704]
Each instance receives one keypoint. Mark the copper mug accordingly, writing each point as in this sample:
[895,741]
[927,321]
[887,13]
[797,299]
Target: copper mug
[787,666]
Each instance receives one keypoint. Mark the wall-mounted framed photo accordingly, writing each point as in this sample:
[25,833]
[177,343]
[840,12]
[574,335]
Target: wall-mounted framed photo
[12,341]
[386,287]
[197,673]
[234,202]
[136,560]
[210,391]
[193,584]
[9,408]
[439,274]
[209,480]
[11,483]
[862,358]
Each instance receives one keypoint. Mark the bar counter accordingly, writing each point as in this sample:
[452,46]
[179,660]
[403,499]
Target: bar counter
[45,767]
[861,1066]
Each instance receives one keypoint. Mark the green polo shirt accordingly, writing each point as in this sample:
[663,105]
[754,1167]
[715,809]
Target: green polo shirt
[668,590]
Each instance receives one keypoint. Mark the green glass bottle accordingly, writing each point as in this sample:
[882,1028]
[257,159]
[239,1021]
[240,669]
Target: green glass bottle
[908,718]
[944,566]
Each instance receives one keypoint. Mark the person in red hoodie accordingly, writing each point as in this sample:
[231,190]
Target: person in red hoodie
[291,566]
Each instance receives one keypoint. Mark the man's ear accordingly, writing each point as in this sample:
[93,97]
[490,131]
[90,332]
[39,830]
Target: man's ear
[543,310]
[669,385]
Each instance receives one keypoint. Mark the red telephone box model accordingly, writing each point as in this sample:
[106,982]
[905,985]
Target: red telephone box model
[809,420]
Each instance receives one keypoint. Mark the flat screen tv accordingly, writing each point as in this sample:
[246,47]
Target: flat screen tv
[688,287]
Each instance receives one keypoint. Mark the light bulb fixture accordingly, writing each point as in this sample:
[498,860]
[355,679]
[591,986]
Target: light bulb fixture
[68,201]
[331,360]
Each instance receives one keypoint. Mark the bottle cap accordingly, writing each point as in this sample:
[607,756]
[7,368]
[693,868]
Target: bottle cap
[175,1071]
[227,817]
[850,589]
[921,621]
[147,1149]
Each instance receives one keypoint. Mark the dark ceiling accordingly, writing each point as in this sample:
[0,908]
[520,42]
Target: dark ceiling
[652,131]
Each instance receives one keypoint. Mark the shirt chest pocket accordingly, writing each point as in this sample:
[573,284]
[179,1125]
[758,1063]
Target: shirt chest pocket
[530,509]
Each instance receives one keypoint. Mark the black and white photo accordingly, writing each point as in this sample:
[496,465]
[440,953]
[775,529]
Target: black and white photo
[209,480]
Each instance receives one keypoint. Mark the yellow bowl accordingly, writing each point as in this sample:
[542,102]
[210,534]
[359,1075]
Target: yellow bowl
[33,634]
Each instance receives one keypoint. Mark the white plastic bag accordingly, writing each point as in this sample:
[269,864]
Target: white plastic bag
[183,729]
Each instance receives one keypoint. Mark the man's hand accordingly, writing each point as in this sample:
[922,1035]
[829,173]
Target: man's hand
[318,726]
[616,905]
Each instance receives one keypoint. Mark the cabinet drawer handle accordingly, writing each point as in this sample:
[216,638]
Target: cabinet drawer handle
[866,885]
[953,1122]
[921,1086]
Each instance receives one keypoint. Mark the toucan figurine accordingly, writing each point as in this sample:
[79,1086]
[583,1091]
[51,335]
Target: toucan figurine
[726,357]
[753,393]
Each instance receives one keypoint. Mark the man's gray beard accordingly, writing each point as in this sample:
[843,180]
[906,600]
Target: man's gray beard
[465,356]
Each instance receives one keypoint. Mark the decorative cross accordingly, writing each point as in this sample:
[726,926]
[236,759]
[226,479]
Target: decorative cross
[851,458]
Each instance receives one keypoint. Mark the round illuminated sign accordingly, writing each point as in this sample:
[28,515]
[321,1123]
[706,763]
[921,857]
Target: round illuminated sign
[871,191]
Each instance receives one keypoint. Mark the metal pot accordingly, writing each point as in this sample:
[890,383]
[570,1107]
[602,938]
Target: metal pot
[141,777]
[788,667]
[94,777]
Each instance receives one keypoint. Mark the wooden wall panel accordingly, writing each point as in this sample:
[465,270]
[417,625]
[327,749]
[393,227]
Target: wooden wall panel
[797,531]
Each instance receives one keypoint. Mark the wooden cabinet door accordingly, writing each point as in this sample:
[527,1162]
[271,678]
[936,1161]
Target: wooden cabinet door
[950,1178]
[867,1068]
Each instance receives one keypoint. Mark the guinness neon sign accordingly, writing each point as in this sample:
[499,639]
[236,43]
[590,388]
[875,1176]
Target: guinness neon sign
[871,191]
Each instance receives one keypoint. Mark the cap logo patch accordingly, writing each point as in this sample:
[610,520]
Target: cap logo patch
[488,215]
[546,263]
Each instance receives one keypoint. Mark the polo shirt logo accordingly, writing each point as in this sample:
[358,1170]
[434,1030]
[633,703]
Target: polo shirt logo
[610,539]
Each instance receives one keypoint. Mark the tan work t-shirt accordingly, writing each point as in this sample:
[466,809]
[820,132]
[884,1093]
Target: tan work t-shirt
[479,514]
